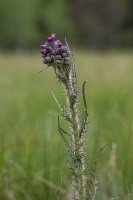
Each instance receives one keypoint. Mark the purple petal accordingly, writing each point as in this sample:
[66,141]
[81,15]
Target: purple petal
[47,48]
[58,41]
[53,37]
[60,44]
[42,51]
[49,39]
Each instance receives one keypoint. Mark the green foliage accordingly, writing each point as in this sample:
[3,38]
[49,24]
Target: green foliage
[94,24]
[55,16]
[23,22]
[18,28]
[30,145]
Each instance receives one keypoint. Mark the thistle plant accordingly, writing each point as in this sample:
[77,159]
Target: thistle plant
[59,57]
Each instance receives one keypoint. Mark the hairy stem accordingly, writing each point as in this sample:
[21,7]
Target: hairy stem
[78,159]
[62,61]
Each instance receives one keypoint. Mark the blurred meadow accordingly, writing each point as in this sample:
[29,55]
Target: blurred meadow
[31,149]
[33,160]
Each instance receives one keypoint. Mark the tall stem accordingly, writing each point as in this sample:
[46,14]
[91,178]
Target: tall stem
[78,160]
[60,58]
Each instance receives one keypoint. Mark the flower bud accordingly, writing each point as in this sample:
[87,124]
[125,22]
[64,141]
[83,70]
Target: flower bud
[56,44]
[65,59]
[64,49]
[43,55]
[43,51]
[58,61]
[58,50]
[68,53]
[64,55]
[48,54]
[48,59]
[53,52]
[67,62]
[52,57]
[42,46]
[48,48]
[51,38]
[44,61]
[59,44]
[58,57]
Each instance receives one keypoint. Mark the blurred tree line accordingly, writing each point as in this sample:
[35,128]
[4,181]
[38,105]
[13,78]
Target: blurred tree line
[96,24]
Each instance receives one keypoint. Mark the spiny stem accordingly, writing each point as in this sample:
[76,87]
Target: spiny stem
[79,166]
[59,57]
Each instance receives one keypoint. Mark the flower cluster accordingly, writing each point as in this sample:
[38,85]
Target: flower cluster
[54,53]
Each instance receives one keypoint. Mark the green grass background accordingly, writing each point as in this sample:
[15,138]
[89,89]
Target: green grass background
[31,149]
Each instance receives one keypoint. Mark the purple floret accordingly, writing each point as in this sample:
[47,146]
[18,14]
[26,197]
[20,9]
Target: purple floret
[58,57]
[60,44]
[58,61]
[48,48]
[43,51]
[53,52]
[47,59]
[42,46]
[51,38]
[58,50]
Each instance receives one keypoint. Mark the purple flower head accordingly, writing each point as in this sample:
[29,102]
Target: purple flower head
[43,51]
[68,53]
[48,48]
[48,54]
[60,44]
[58,57]
[64,55]
[58,50]
[44,61]
[67,62]
[52,58]
[58,61]
[55,53]
[51,38]
[64,48]
[47,59]
[56,44]
[42,46]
